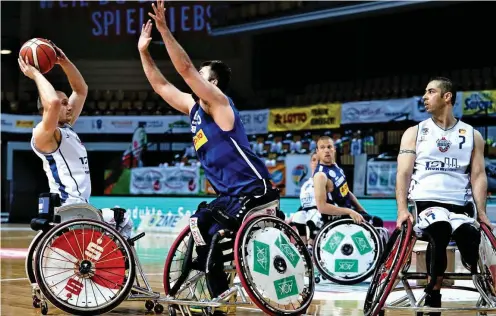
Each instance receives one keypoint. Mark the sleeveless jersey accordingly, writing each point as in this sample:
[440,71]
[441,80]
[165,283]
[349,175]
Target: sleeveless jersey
[340,196]
[67,168]
[229,163]
[442,166]
[307,195]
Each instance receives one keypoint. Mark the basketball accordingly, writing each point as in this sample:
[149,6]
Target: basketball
[39,53]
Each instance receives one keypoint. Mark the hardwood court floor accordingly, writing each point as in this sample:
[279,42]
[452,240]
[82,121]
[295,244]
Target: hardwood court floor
[330,299]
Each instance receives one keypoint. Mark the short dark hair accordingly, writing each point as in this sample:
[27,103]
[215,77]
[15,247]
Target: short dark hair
[446,85]
[220,71]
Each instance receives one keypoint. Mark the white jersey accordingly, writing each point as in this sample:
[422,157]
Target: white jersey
[442,167]
[307,194]
[67,168]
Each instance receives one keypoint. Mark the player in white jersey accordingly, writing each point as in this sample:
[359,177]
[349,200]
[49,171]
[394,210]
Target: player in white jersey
[64,156]
[441,161]
[307,214]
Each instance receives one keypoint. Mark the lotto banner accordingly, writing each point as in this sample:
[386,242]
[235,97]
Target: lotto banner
[381,178]
[165,180]
[297,172]
[320,116]
[278,174]
[478,103]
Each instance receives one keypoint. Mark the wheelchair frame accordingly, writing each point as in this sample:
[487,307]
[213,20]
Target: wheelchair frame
[399,259]
[141,289]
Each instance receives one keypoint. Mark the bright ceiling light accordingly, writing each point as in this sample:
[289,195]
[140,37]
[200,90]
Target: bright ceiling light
[5,51]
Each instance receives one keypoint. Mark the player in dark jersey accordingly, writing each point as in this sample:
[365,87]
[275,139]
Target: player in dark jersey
[239,177]
[332,193]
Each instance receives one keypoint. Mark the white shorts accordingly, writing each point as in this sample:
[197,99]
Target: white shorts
[439,214]
[302,217]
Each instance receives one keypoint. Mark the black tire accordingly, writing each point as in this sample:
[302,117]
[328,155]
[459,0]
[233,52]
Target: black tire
[318,248]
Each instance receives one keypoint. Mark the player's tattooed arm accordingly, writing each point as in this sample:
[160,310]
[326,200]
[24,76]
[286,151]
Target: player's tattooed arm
[407,151]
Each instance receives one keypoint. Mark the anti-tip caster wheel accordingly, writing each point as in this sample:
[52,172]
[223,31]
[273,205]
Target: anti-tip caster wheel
[36,302]
[317,280]
[159,308]
[149,305]
[44,307]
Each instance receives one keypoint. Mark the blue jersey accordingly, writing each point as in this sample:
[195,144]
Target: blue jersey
[340,196]
[230,165]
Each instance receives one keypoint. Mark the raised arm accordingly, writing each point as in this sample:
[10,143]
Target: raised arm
[406,162]
[205,90]
[478,178]
[180,101]
[44,132]
[76,80]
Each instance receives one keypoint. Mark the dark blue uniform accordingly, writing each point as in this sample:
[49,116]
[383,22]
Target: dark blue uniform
[238,176]
[340,196]
[230,165]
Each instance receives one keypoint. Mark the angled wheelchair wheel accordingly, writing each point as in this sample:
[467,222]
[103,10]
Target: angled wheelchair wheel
[347,253]
[274,266]
[487,262]
[84,267]
[392,261]
[178,269]
[29,263]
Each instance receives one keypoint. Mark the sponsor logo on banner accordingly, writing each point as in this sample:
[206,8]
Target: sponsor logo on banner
[320,116]
[381,178]
[122,124]
[255,122]
[6,123]
[479,102]
[278,175]
[377,111]
[165,180]
[297,172]
[25,124]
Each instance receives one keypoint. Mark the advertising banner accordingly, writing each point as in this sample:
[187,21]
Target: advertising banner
[376,111]
[478,103]
[297,172]
[165,180]
[278,174]
[256,121]
[381,178]
[321,116]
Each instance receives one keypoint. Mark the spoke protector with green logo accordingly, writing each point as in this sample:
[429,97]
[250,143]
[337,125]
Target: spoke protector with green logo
[348,251]
[276,267]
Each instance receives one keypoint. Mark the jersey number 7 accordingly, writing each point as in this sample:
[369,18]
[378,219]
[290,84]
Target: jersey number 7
[462,141]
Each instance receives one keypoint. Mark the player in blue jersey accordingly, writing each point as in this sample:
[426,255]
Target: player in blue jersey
[240,178]
[332,194]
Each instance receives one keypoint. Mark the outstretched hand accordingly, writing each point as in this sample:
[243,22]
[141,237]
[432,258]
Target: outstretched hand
[61,57]
[159,15]
[146,36]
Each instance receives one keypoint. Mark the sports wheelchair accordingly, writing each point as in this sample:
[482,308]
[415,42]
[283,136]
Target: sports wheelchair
[81,264]
[347,253]
[395,262]
[269,258]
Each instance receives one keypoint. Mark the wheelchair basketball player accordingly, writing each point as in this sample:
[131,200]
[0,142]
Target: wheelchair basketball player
[307,215]
[441,160]
[333,197]
[238,176]
[64,156]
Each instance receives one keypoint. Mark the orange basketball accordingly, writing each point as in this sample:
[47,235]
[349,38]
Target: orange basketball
[39,53]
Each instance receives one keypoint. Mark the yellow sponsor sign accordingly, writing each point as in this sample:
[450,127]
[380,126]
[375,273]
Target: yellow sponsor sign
[479,102]
[320,116]
[25,124]
[199,139]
